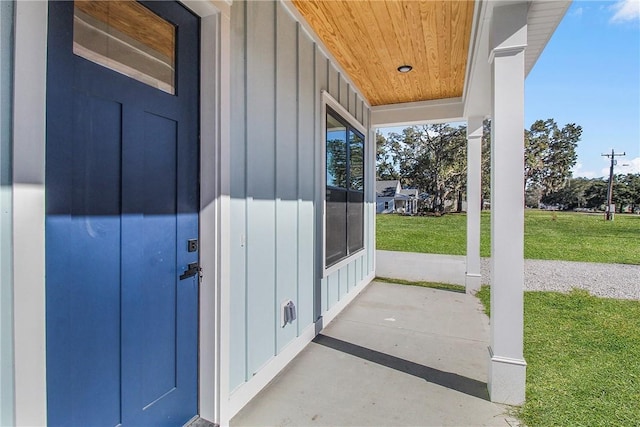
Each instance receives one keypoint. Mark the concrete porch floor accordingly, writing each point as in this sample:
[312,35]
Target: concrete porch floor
[396,356]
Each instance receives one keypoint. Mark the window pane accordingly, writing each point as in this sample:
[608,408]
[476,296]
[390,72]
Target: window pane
[356,161]
[336,153]
[126,37]
[355,221]
[336,226]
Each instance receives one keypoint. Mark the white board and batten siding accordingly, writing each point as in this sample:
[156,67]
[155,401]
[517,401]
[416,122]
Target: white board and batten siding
[278,75]
[6,249]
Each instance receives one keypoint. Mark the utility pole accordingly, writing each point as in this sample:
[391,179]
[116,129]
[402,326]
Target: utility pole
[608,215]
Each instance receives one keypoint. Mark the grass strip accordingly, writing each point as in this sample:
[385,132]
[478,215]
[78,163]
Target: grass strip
[568,236]
[583,359]
[432,285]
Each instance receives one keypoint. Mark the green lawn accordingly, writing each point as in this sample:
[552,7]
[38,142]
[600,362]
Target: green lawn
[583,359]
[548,235]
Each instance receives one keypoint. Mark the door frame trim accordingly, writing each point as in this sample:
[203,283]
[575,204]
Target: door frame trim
[29,209]
[215,137]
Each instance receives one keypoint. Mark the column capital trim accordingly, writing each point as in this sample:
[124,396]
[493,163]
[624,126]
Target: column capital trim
[474,127]
[506,51]
[508,30]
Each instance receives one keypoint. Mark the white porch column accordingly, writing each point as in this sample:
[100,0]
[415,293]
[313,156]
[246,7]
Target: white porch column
[507,366]
[474,171]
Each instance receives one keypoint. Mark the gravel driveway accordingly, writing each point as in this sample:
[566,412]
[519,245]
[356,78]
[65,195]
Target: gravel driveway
[603,280]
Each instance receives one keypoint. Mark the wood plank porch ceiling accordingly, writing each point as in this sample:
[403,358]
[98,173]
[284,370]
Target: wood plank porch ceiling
[372,38]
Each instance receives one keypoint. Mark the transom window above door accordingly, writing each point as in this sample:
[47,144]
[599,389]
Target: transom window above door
[126,37]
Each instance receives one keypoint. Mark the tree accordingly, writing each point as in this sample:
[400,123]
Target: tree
[595,193]
[626,191]
[571,196]
[337,162]
[533,196]
[550,153]
[486,163]
[386,169]
[431,158]
[592,193]
[633,183]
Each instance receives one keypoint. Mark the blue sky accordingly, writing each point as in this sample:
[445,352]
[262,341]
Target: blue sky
[589,74]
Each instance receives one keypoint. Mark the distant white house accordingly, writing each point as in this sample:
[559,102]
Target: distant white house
[390,198]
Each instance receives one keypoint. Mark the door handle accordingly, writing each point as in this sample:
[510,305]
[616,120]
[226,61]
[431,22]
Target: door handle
[192,269]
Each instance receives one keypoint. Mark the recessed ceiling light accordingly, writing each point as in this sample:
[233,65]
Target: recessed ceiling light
[405,68]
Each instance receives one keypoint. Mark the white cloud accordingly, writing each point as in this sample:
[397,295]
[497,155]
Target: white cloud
[632,165]
[577,172]
[577,12]
[624,166]
[626,10]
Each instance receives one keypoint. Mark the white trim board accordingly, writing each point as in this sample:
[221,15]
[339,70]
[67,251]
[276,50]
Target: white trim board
[214,201]
[29,212]
[413,113]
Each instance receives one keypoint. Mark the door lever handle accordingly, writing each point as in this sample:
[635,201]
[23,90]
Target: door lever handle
[192,269]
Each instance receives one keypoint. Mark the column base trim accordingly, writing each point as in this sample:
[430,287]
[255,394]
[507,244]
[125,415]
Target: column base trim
[507,379]
[472,282]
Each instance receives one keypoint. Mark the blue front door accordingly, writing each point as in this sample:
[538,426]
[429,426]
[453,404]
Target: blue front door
[122,213]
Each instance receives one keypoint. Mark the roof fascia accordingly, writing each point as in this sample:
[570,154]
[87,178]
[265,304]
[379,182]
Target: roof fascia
[541,12]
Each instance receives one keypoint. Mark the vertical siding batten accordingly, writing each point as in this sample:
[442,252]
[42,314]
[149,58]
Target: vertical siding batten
[359,270]
[352,100]
[260,183]
[334,81]
[7,381]
[333,282]
[286,171]
[322,83]
[297,175]
[238,328]
[244,237]
[344,281]
[275,179]
[371,173]
[343,93]
[306,182]
[352,274]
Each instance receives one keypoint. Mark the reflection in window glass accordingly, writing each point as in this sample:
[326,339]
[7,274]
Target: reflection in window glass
[355,221]
[126,37]
[336,153]
[356,161]
[336,206]
[345,190]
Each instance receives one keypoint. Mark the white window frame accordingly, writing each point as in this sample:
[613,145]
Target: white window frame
[328,100]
